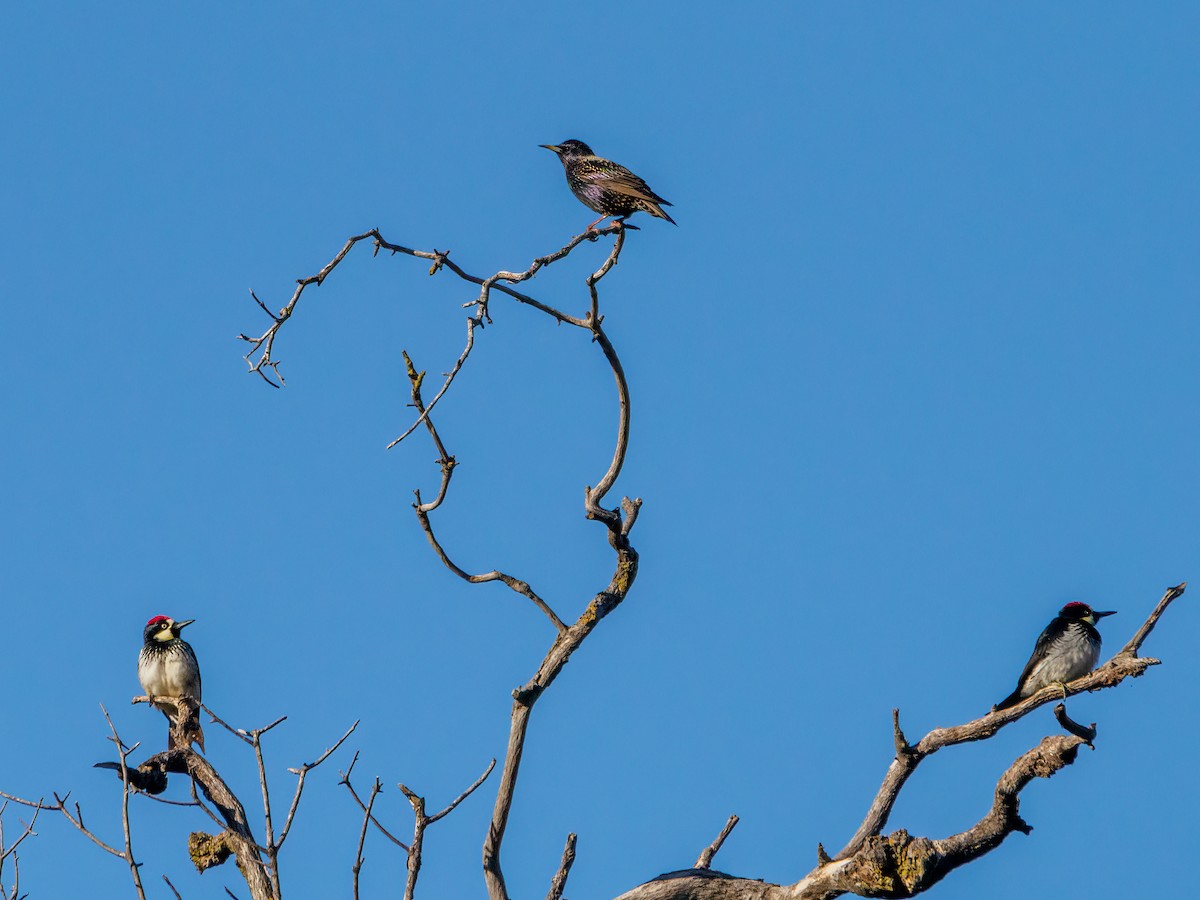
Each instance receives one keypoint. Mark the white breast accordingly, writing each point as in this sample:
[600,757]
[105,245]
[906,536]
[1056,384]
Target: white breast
[1072,656]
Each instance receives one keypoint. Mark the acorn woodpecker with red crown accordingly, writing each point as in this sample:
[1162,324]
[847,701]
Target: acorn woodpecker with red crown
[1069,648]
[168,670]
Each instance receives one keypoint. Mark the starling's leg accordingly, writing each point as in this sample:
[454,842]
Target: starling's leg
[592,227]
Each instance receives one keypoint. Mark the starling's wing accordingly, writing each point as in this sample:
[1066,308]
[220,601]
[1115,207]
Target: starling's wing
[614,177]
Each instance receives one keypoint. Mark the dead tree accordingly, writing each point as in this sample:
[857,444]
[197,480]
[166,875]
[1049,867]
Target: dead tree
[871,863]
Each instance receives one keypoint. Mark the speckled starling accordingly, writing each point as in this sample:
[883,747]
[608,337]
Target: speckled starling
[605,187]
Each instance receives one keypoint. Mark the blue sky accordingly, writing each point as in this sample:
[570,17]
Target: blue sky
[917,367]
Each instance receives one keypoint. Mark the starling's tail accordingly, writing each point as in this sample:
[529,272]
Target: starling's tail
[658,212]
[1011,700]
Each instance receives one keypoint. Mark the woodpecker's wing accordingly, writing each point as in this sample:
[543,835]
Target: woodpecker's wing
[614,177]
[187,648]
[1052,633]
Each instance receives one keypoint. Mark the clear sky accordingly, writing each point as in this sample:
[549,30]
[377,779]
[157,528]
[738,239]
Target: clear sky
[917,367]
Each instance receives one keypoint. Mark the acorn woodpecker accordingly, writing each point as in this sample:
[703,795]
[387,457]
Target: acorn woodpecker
[1069,648]
[167,669]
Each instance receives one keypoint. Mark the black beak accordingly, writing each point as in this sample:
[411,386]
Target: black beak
[1101,615]
[179,626]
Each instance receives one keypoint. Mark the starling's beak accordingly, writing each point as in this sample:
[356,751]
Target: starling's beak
[179,626]
[1101,615]
[553,147]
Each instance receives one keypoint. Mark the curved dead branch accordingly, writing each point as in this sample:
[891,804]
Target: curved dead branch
[264,344]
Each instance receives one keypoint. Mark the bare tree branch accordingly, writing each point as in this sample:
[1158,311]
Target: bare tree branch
[76,820]
[1135,642]
[421,822]
[376,788]
[353,793]
[302,773]
[264,344]
[900,865]
[705,859]
[1087,732]
[7,850]
[558,884]
[134,866]
[447,464]
[268,827]
[618,522]
[463,796]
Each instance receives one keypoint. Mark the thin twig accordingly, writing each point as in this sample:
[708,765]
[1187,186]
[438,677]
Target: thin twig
[1135,642]
[236,732]
[302,772]
[353,793]
[268,827]
[134,866]
[5,853]
[376,789]
[465,794]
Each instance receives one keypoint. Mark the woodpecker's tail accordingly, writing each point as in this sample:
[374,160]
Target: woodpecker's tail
[1011,700]
[184,729]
